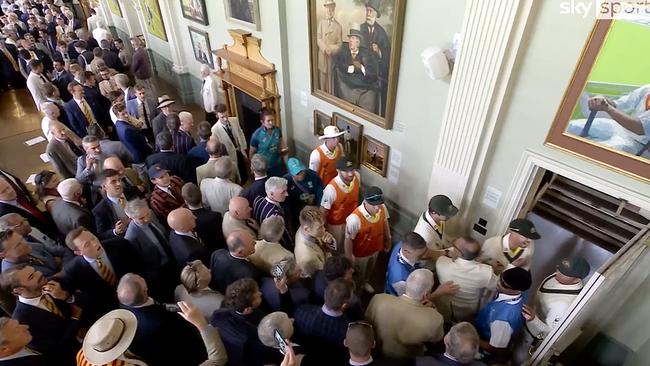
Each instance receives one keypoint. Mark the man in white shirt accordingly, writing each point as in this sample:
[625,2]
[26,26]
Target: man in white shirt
[514,249]
[36,82]
[431,225]
[210,94]
[476,281]
[101,33]
[228,131]
[92,20]
[218,191]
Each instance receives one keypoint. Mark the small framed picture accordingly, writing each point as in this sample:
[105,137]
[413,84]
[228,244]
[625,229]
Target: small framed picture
[374,155]
[201,46]
[351,137]
[195,10]
[244,12]
[321,120]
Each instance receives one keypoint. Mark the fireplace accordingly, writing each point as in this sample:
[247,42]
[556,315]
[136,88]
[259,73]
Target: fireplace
[247,109]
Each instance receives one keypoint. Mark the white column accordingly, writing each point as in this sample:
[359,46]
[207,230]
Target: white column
[492,32]
[104,12]
[175,44]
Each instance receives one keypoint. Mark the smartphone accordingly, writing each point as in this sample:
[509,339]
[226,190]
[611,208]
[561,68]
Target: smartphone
[172,308]
[277,272]
[282,344]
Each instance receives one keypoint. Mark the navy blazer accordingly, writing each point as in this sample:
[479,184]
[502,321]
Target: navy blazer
[52,335]
[105,218]
[61,82]
[98,297]
[208,227]
[76,117]
[255,189]
[111,59]
[35,360]
[227,269]
[47,227]
[18,186]
[177,164]
[187,249]
[165,338]
[100,105]
[198,155]
[134,140]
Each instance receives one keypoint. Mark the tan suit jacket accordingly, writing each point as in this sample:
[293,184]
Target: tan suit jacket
[219,131]
[403,325]
[309,255]
[267,255]
[231,224]
[205,171]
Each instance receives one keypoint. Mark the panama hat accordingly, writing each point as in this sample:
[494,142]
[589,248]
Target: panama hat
[331,132]
[110,336]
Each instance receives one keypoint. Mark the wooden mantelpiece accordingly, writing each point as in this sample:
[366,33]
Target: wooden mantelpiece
[247,70]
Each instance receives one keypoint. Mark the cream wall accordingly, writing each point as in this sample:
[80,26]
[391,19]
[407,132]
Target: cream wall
[420,101]
[547,57]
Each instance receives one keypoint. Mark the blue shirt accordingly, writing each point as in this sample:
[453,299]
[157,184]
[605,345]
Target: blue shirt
[398,269]
[504,310]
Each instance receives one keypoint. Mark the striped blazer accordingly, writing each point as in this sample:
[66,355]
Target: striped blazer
[163,203]
[263,208]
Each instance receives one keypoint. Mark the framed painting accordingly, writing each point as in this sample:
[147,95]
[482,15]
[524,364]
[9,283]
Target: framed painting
[321,120]
[374,155]
[195,10]
[355,52]
[351,137]
[153,18]
[114,6]
[605,113]
[243,12]
[201,46]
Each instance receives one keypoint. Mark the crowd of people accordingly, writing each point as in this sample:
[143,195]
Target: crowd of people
[145,246]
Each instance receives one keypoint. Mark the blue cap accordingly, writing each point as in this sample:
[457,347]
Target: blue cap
[295,166]
[155,171]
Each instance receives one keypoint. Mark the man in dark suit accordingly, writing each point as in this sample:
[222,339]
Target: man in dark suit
[14,350]
[96,270]
[109,56]
[149,239]
[177,164]
[159,123]
[42,305]
[30,47]
[257,188]
[69,212]
[183,241]
[162,337]
[323,328]
[143,107]
[110,218]
[99,104]
[61,78]
[208,222]
[10,67]
[79,111]
[130,136]
[17,252]
[85,55]
[53,95]
[198,155]
[18,186]
[227,266]
[133,186]
[10,201]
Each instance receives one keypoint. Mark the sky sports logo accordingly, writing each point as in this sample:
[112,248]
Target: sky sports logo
[607,9]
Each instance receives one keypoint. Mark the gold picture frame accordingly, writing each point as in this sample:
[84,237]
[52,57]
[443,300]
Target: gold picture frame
[336,76]
[374,155]
[572,130]
[243,12]
[351,138]
[321,120]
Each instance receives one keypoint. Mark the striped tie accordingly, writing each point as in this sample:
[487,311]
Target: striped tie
[35,260]
[49,304]
[86,111]
[106,273]
[122,202]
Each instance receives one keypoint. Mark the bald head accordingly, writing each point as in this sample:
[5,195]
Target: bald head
[468,247]
[239,208]
[114,163]
[241,243]
[69,189]
[181,220]
[132,290]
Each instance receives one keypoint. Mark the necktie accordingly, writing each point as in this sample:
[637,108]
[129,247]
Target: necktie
[75,149]
[106,273]
[49,304]
[44,79]
[11,59]
[34,260]
[122,202]
[144,113]
[86,111]
[228,129]
[31,209]
[33,54]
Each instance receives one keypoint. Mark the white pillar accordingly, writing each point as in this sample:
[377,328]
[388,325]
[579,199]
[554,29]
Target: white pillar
[171,28]
[492,31]
[104,12]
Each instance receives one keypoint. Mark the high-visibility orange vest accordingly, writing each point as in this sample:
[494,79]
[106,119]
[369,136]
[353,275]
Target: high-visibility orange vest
[370,238]
[344,204]
[327,168]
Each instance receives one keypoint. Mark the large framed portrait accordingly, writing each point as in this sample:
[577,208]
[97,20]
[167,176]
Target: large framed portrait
[374,155]
[114,6]
[195,10]
[153,19]
[321,120]
[243,12]
[201,46]
[351,138]
[605,113]
[355,52]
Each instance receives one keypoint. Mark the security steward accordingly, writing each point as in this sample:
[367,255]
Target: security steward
[340,198]
[431,225]
[514,249]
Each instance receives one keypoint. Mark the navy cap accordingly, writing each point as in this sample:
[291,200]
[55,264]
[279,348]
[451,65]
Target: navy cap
[155,171]
[344,163]
[517,278]
[374,196]
[524,228]
[442,205]
[576,267]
